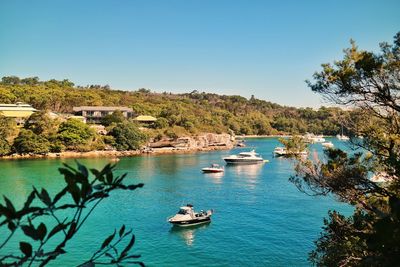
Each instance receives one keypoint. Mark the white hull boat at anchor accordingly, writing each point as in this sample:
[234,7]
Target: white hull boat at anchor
[244,158]
[186,216]
[214,168]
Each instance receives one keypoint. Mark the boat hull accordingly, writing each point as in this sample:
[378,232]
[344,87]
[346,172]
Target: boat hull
[211,171]
[243,162]
[191,222]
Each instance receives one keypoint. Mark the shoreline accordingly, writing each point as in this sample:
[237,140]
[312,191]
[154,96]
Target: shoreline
[114,154]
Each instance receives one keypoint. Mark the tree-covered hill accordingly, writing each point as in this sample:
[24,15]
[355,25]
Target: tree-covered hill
[188,113]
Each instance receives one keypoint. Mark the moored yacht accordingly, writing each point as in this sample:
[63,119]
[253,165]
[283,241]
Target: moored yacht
[186,216]
[281,151]
[244,158]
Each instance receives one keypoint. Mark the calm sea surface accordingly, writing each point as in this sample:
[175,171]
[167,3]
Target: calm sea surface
[260,218]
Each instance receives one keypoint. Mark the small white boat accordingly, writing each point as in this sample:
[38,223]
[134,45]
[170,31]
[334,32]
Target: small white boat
[244,158]
[342,137]
[186,216]
[213,169]
[311,138]
[328,144]
[281,151]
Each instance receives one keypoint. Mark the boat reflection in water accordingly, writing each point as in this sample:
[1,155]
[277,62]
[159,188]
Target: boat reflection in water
[251,171]
[215,177]
[188,233]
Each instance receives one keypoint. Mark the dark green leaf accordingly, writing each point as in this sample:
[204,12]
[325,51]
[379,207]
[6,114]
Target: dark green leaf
[71,230]
[26,248]
[45,197]
[108,240]
[83,170]
[122,230]
[9,205]
[74,190]
[109,177]
[11,226]
[128,247]
[134,186]
[4,211]
[56,229]
[30,231]
[29,200]
[41,230]
[60,195]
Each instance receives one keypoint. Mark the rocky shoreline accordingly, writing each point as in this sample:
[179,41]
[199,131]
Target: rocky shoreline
[205,142]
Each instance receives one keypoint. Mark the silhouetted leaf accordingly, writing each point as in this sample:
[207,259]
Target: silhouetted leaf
[66,206]
[83,170]
[56,229]
[45,197]
[60,195]
[122,230]
[11,226]
[134,186]
[4,211]
[71,230]
[124,253]
[26,248]
[9,205]
[108,240]
[29,200]
[109,177]
[74,190]
[30,231]
[41,230]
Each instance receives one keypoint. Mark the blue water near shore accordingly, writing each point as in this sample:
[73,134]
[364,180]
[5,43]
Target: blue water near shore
[260,219]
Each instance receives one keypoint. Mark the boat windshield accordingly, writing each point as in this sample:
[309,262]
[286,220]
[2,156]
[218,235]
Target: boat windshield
[182,211]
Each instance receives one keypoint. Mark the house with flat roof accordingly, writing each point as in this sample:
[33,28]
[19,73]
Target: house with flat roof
[19,111]
[94,114]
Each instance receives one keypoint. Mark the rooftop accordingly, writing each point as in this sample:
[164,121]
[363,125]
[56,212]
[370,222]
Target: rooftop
[145,118]
[101,108]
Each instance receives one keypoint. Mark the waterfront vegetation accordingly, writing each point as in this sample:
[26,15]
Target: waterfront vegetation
[371,236]
[177,115]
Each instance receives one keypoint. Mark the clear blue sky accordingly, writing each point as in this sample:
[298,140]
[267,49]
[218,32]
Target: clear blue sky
[264,48]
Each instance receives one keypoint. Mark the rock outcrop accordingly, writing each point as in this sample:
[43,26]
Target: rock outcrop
[206,141]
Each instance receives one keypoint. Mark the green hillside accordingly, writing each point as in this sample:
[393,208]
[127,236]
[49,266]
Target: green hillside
[188,113]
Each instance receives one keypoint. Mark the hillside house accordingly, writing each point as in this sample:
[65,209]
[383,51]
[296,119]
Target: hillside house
[94,114]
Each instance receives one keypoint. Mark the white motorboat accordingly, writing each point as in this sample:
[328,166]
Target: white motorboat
[281,151]
[213,168]
[186,216]
[244,158]
[328,144]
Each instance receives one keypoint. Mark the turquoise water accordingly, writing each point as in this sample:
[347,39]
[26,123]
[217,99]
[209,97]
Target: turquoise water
[260,218]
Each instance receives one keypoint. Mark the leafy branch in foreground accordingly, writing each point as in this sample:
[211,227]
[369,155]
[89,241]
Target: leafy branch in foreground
[69,210]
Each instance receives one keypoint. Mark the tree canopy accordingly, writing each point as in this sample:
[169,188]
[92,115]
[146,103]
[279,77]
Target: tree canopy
[371,236]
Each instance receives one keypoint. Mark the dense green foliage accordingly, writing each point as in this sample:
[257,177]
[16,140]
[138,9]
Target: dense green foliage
[192,112]
[294,145]
[29,142]
[371,236]
[127,136]
[8,129]
[48,224]
[75,135]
